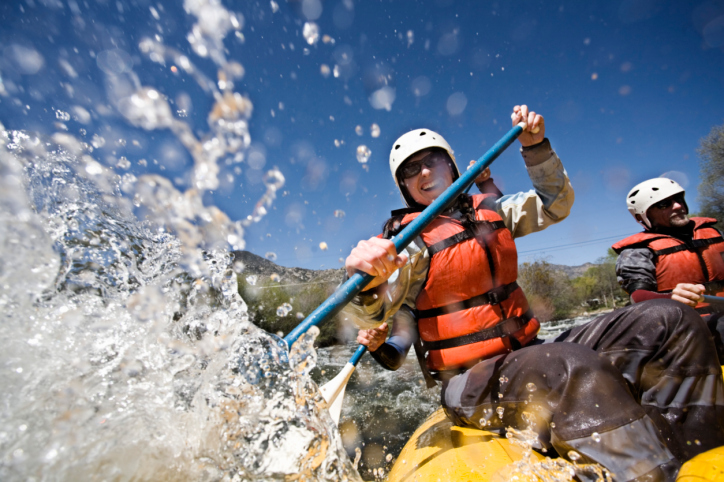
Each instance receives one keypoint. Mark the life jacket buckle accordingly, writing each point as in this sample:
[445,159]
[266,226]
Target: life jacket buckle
[497,295]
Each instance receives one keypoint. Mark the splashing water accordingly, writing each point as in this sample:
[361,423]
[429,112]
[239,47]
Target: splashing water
[546,470]
[127,350]
[311,33]
[284,309]
[363,154]
[120,361]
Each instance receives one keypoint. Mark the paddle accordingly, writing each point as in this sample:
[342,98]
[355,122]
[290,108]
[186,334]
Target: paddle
[333,390]
[350,288]
[717,300]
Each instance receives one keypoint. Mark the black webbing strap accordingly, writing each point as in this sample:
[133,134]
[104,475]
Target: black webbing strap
[504,328]
[695,244]
[478,229]
[492,297]
[420,352]
[701,243]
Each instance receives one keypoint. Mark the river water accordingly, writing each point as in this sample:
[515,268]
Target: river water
[383,408]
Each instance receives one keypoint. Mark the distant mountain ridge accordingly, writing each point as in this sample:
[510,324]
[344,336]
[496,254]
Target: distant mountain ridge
[573,271]
[263,267]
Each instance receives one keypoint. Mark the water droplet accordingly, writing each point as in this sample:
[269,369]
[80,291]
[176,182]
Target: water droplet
[500,411]
[553,425]
[323,246]
[503,379]
[123,163]
[697,442]
[284,309]
[410,37]
[573,455]
[146,108]
[325,70]
[64,116]
[528,418]
[98,141]
[383,98]
[338,213]
[274,179]
[274,6]
[299,315]
[596,437]
[531,387]
[358,130]
[363,154]
[251,279]
[275,277]
[311,32]
[271,256]
[375,130]
[389,458]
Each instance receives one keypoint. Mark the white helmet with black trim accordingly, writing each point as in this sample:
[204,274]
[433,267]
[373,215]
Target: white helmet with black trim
[646,194]
[412,142]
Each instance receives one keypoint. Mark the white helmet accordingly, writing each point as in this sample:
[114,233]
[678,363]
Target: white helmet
[648,193]
[412,142]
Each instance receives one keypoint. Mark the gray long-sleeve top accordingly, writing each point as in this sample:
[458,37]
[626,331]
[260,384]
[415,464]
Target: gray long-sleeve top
[523,213]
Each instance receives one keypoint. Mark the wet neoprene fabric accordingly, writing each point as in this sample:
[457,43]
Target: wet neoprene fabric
[645,379]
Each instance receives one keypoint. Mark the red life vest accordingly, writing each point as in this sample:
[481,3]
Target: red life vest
[470,307]
[699,262]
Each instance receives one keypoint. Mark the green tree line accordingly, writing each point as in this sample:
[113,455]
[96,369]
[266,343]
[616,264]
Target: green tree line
[711,168]
[553,296]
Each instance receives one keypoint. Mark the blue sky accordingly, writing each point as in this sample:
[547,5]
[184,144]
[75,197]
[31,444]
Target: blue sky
[627,89]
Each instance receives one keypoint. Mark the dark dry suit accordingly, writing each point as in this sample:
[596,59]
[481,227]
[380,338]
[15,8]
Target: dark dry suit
[667,407]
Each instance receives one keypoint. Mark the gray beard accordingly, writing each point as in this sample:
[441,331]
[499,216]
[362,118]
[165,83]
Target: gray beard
[679,222]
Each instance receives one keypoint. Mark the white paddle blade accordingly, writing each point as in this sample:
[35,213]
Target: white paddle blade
[335,410]
[333,391]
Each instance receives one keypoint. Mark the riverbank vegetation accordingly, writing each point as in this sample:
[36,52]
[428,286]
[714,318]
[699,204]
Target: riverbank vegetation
[711,165]
[554,296]
[278,308]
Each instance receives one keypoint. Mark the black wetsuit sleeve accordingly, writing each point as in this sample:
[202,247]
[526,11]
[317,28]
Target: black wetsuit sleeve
[636,270]
[392,354]
[389,355]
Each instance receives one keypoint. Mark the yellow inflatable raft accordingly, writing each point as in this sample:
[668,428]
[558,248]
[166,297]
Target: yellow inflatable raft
[440,451]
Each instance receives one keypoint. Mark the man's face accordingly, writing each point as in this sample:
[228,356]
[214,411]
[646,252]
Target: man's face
[669,213]
[434,177]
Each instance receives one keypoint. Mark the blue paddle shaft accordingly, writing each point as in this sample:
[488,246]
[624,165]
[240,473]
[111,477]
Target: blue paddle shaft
[714,299]
[358,355]
[356,283]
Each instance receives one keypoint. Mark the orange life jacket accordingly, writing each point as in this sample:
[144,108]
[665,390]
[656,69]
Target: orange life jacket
[470,307]
[700,262]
